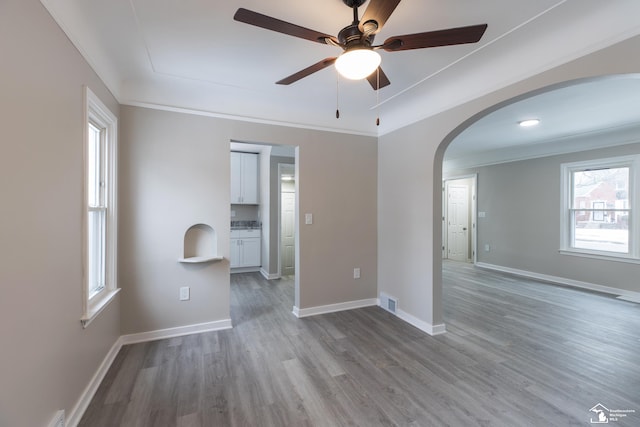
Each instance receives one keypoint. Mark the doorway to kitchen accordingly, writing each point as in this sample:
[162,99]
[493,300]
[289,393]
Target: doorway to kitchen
[263,241]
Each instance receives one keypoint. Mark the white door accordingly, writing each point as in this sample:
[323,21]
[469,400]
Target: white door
[458,222]
[287,234]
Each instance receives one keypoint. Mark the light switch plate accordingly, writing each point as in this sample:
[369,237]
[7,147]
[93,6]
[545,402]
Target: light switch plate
[308,219]
[184,293]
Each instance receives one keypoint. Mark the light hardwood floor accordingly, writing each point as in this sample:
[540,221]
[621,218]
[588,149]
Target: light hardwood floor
[517,353]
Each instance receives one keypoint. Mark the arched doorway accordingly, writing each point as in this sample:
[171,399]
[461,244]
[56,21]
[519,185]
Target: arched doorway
[583,120]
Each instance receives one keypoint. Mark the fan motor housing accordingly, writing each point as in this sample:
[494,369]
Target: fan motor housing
[352,36]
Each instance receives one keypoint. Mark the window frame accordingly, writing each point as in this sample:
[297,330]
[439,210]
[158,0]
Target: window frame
[566,194]
[98,115]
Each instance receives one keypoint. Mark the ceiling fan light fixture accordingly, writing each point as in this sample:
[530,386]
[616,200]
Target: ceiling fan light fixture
[357,64]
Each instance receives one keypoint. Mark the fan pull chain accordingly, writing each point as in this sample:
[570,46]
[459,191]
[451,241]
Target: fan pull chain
[337,96]
[378,96]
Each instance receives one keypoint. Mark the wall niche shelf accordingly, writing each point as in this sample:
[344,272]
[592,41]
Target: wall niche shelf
[200,259]
[200,243]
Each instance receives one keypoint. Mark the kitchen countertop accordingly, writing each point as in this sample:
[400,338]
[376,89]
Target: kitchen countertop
[246,225]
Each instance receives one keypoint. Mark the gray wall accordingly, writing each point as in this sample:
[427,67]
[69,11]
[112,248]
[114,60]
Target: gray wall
[522,223]
[410,179]
[264,184]
[245,212]
[47,359]
[174,172]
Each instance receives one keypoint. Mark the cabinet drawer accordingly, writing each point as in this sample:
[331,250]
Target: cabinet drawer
[250,233]
[247,233]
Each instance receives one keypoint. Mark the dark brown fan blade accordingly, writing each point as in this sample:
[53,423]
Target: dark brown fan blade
[378,11]
[373,79]
[461,35]
[307,71]
[273,24]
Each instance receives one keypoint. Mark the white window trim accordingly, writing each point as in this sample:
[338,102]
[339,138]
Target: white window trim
[97,112]
[633,162]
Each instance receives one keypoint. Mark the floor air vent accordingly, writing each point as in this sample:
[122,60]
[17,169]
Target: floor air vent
[388,303]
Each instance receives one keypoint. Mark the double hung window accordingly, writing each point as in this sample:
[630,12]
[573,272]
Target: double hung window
[599,208]
[100,143]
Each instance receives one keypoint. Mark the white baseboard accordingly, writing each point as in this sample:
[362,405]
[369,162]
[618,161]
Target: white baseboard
[627,295]
[245,270]
[176,332]
[409,318]
[83,403]
[427,327]
[331,308]
[268,276]
[630,298]
[350,305]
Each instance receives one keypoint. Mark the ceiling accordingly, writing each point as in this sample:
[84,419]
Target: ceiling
[190,55]
[583,115]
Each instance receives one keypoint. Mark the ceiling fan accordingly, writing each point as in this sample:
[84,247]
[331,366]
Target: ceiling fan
[359,58]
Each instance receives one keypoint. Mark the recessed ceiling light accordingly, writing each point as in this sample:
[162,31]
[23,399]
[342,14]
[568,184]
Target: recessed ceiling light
[529,123]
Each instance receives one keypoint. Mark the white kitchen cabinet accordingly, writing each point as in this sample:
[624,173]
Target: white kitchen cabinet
[245,248]
[235,255]
[250,252]
[236,177]
[244,178]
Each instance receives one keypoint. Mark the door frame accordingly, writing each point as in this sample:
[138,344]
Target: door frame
[473,212]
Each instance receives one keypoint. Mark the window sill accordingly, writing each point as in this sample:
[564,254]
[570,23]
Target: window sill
[614,258]
[98,307]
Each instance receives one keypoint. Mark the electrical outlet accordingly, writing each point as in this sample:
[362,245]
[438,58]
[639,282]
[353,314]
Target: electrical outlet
[356,273]
[184,293]
[487,247]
